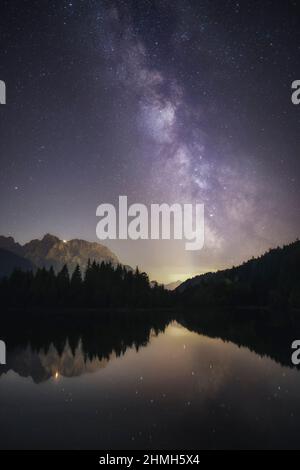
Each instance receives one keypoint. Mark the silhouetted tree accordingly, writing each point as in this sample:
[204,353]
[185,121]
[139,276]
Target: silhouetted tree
[63,285]
[76,298]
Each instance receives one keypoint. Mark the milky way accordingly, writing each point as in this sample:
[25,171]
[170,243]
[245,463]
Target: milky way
[182,101]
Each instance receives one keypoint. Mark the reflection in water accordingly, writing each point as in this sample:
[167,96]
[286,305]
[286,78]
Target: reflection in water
[60,348]
[145,382]
[41,365]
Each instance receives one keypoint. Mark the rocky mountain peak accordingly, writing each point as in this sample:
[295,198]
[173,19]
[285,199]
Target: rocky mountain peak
[51,251]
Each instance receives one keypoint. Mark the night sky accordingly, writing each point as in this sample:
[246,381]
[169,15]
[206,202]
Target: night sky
[163,101]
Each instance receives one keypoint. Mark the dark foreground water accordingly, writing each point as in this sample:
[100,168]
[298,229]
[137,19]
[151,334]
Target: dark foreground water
[167,389]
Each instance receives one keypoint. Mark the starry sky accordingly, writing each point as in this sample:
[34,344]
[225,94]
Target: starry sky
[163,101]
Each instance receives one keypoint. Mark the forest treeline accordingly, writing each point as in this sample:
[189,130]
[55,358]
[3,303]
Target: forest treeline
[102,285]
[272,280]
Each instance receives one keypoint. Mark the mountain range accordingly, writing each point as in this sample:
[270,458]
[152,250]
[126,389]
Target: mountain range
[173,285]
[51,251]
[9,261]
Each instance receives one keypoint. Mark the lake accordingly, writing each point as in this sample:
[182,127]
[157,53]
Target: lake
[161,386]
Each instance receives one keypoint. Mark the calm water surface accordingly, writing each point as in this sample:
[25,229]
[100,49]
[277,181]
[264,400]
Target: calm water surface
[177,389]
